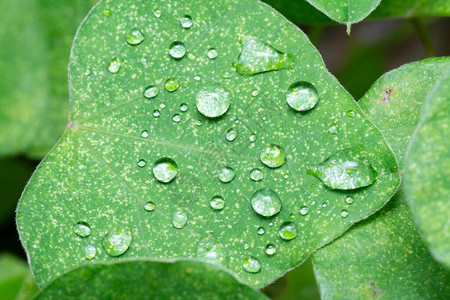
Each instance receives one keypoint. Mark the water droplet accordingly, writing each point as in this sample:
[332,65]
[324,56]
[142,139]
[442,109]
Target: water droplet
[213,100]
[151,92]
[266,202]
[184,107]
[261,231]
[191,56]
[198,123]
[165,170]
[246,246]
[345,170]
[114,65]
[304,210]
[255,93]
[333,129]
[226,174]
[90,251]
[217,202]
[256,175]
[212,251]
[157,13]
[231,135]
[135,37]
[186,22]
[177,50]
[226,74]
[88,72]
[344,213]
[117,241]
[324,204]
[179,218]
[292,215]
[197,78]
[251,265]
[144,134]
[349,200]
[156,113]
[351,113]
[149,206]
[142,163]
[171,85]
[270,249]
[273,156]
[302,96]
[82,229]
[212,53]
[252,138]
[258,57]
[176,118]
[288,231]
[107,12]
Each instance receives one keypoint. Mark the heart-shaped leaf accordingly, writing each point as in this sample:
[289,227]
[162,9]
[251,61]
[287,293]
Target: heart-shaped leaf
[147,279]
[385,252]
[141,172]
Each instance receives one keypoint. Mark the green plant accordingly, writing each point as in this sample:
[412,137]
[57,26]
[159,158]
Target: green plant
[207,145]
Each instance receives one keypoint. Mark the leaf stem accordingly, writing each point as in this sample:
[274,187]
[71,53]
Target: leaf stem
[421,30]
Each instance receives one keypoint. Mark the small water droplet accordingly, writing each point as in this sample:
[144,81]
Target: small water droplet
[191,56]
[270,249]
[149,206]
[226,74]
[212,251]
[333,129]
[324,204]
[117,241]
[344,213]
[135,37]
[213,100]
[88,72]
[252,138]
[197,78]
[186,22]
[82,229]
[246,246]
[292,215]
[107,12]
[114,65]
[176,118]
[288,231]
[251,264]
[144,134]
[304,210]
[302,96]
[177,50]
[171,85]
[184,107]
[231,135]
[261,231]
[273,156]
[217,202]
[212,53]
[255,93]
[351,113]
[258,57]
[157,13]
[256,175]
[165,170]
[151,92]
[156,113]
[349,200]
[90,251]
[179,218]
[266,202]
[142,163]
[226,174]
[198,123]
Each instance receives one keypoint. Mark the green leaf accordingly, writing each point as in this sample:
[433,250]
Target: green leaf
[16,281]
[384,255]
[148,279]
[428,171]
[138,154]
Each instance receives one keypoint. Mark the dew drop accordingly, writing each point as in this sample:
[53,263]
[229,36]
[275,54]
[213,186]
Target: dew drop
[256,175]
[82,229]
[292,215]
[176,118]
[144,134]
[184,107]
[90,251]
[213,100]
[333,129]
[149,206]
[165,170]
[135,37]
[157,13]
[302,96]
[231,135]
[156,113]
[211,250]
[324,204]
[252,138]
[191,56]
[212,53]
[151,92]
[349,200]
[251,265]
[179,218]
[88,72]
[217,202]
[197,78]
[246,246]
[142,163]
[288,231]
[226,74]
[266,202]
[255,93]
[107,12]
[186,22]
[226,174]
[171,85]
[177,50]
[351,113]
[273,156]
[117,241]
[261,231]
[114,65]
[344,213]
[270,249]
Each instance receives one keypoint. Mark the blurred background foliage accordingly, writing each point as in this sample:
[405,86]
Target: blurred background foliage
[34,100]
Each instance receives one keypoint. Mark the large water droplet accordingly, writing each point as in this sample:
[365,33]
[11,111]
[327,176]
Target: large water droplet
[213,100]
[345,170]
[302,96]
[177,50]
[256,175]
[212,53]
[179,218]
[212,251]
[266,202]
[90,251]
[149,206]
[117,240]
[217,202]
[270,249]
[258,57]
[171,85]
[151,92]
[251,265]
[165,170]
[114,65]
[82,229]
[226,174]
[273,156]
[288,231]
[135,37]
[186,22]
